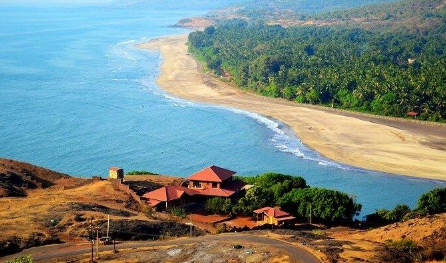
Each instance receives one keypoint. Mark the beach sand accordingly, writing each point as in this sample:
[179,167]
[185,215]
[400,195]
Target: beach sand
[398,147]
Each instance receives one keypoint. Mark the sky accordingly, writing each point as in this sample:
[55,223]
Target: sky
[53,2]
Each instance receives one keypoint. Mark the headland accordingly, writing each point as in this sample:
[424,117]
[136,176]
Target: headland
[387,145]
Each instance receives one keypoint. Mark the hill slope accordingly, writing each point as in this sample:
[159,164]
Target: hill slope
[419,239]
[17,177]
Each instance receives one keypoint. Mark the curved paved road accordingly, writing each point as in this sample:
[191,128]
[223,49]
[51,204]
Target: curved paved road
[58,251]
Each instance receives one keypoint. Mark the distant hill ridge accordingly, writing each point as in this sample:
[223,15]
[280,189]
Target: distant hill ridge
[17,177]
[412,15]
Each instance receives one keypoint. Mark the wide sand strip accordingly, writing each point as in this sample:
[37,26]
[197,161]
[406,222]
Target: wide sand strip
[346,139]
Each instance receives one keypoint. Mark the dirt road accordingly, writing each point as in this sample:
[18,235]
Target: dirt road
[47,253]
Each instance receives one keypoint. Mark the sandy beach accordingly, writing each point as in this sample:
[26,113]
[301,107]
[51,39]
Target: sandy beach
[398,147]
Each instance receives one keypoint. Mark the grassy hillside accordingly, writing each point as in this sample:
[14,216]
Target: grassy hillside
[39,206]
[415,240]
[18,177]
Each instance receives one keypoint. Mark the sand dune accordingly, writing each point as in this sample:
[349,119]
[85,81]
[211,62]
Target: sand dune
[416,150]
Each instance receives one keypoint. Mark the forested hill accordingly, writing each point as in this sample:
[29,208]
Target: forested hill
[382,72]
[413,16]
[284,9]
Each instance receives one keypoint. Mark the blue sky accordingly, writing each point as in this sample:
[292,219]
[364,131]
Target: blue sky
[53,2]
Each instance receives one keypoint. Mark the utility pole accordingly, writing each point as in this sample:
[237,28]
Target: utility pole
[310,214]
[97,242]
[92,242]
[90,227]
[108,226]
[190,231]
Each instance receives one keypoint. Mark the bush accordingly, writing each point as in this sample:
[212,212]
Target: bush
[433,202]
[142,172]
[219,205]
[221,228]
[22,259]
[178,211]
[254,198]
[402,251]
[384,216]
[147,210]
[278,184]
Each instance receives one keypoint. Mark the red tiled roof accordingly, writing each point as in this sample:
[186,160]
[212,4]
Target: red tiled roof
[216,192]
[212,174]
[153,202]
[286,218]
[114,168]
[272,212]
[169,193]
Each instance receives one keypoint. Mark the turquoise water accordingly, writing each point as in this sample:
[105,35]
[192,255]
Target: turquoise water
[77,97]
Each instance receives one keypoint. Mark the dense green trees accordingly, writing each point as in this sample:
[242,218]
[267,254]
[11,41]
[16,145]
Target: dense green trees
[277,184]
[293,194]
[219,205]
[254,198]
[384,216]
[433,202]
[324,205]
[389,73]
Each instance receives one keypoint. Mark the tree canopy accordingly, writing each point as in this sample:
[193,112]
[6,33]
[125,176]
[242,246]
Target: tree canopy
[386,73]
[324,205]
[433,202]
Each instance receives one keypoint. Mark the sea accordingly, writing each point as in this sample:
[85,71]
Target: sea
[77,96]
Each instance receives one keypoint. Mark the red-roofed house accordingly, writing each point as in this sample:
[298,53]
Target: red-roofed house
[210,182]
[272,216]
[169,196]
[215,181]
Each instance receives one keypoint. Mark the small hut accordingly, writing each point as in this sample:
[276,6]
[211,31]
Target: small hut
[116,173]
[412,114]
[272,216]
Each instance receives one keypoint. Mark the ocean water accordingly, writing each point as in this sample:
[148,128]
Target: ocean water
[76,96]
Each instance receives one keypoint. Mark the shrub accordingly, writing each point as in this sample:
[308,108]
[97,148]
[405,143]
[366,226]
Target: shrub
[433,202]
[221,228]
[142,172]
[178,211]
[254,198]
[403,250]
[147,210]
[22,259]
[219,205]
[384,216]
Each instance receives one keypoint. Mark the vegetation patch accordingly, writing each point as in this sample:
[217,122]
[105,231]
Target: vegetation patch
[146,230]
[386,73]
[100,209]
[141,172]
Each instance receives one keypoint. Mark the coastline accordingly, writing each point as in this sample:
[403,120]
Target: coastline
[342,137]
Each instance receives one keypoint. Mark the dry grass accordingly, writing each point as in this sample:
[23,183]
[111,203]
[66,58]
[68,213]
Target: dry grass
[21,217]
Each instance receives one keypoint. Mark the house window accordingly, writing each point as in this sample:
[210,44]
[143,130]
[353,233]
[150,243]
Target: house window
[197,184]
[214,185]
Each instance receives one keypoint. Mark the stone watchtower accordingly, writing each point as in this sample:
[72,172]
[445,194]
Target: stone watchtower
[116,173]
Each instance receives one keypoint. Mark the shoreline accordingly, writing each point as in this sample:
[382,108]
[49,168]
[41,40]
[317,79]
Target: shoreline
[384,145]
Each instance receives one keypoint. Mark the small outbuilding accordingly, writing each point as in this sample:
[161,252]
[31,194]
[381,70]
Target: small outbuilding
[116,173]
[272,216]
[412,114]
